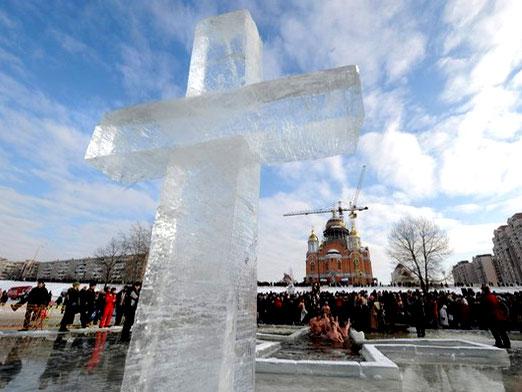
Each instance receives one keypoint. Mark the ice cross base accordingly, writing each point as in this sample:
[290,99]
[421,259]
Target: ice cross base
[196,320]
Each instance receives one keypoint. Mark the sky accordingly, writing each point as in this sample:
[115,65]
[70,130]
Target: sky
[442,138]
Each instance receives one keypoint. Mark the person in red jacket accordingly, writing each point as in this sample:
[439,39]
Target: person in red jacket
[495,316]
[110,300]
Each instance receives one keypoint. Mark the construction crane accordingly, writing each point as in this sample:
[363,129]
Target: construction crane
[353,204]
[352,208]
[29,264]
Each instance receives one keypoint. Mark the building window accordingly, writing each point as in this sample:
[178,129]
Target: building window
[312,266]
[339,264]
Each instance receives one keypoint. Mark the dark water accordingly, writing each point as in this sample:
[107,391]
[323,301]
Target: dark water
[313,348]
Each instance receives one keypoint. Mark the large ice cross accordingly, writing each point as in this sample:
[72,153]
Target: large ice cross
[196,320]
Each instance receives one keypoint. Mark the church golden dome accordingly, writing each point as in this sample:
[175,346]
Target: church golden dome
[312,236]
[335,222]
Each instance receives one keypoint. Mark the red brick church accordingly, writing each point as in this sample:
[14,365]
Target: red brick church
[339,257]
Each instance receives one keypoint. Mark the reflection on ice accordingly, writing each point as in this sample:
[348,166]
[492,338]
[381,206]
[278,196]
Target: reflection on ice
[62,362]
[448,378]
[425,378]
[95,362]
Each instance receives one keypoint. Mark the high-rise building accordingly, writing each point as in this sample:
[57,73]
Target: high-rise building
[480,271]
[507,247]
[124,269]
[464,273]
[340,257]
[10,270]
[485,270]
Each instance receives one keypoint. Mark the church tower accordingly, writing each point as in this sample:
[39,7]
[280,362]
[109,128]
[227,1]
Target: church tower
[312,265]
[313,243]
[339,257]
[353,239]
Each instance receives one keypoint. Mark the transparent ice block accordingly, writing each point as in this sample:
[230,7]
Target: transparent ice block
[196,319]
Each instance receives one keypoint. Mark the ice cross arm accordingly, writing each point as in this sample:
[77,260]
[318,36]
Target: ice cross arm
[295,118]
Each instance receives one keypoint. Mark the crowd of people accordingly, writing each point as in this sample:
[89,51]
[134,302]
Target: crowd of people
[95,307]
[388,311]
[328,314]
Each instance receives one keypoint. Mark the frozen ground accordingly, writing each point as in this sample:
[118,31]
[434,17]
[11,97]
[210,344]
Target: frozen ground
[95,360]
[14,320]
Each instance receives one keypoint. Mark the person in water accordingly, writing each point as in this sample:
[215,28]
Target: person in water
[333,333]
[329,328]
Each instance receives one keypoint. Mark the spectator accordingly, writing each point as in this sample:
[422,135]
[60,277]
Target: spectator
[87,305]
[302,310]
[444,321]
[130,306]
[100,304]
[120,299]
[3,298]
[37,299]
[496,316]
[110,300]
[59,301]
[71,305]
[419,315]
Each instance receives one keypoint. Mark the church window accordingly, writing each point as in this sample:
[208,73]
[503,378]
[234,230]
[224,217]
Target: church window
[339,264]
[312,266]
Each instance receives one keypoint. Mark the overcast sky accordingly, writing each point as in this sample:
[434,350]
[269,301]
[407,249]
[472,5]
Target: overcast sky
[442,138]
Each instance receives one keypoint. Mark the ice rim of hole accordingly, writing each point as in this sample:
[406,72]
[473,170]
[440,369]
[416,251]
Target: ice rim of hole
[382,356]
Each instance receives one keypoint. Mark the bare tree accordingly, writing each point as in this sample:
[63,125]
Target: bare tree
[136,244]
[109,256]
[421,246]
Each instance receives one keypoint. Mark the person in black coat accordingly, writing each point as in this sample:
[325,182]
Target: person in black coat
[100,304]
[37,297]
[71,306]
[120,301]
[59,301]
[4,298]
[87,304]
[419,316]
[130,306]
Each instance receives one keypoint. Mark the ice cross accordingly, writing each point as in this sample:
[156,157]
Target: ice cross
[196,321]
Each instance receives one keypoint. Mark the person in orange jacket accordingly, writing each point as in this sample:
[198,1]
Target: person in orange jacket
[110,300]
